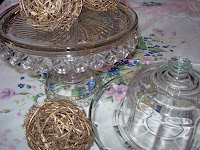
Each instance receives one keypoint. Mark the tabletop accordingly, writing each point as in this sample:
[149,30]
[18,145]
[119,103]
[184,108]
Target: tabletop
[167,28]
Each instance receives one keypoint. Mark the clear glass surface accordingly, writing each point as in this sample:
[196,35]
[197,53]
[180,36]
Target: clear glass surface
[76,87]
[92,33]
[112,123]
[102,110]
[162,107]
[95,39]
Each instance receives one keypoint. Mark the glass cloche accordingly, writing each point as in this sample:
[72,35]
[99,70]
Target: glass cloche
[162,107]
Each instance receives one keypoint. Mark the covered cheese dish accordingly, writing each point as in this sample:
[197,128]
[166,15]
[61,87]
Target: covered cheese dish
[161,109]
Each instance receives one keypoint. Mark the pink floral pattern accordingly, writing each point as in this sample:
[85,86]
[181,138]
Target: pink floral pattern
[173,33]
[17,141]
[131,58]
[158,40]
[117,92]
[7,93]
[12,147]
[19,114]
[4,135]
[105,68]
[158,31]
[147,60]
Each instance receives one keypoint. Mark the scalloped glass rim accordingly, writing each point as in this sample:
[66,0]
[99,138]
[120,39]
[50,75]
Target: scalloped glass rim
[75,49]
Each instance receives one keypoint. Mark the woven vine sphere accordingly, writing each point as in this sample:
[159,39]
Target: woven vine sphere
[58,125]
[101,5]
[47,15]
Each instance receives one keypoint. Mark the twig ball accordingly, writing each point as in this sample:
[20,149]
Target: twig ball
[101,5]
[47,15]
[58,125]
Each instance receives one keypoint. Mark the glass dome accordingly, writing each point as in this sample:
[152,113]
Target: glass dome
[161,108]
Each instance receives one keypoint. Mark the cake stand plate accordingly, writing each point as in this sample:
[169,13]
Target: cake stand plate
[94,40]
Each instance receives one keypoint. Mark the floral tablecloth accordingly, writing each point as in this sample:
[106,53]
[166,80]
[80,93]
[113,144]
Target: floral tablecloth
[166,28]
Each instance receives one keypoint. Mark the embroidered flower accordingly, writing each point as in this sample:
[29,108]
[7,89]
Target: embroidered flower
[184,41]
[113,71]
[46,74]
[152,4]
[17,141]
[12,147]
[33,86]
[4,134]
[91,84]
[105,68]
[147,55]
[7,93]
[147,60]
[118,92]
[131,59]
[21,85]
[158,31]
[22,78]
[119,63]
[165,46]
[19,114]
[52,85]
[173,33]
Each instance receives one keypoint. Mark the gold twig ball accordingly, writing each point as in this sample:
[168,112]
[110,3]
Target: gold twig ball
[101,5]
[58,125]
[47,15]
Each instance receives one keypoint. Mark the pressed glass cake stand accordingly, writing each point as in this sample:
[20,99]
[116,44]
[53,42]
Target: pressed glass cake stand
[70,58]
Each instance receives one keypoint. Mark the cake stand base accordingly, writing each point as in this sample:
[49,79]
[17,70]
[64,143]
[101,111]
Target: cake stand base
[76,87]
